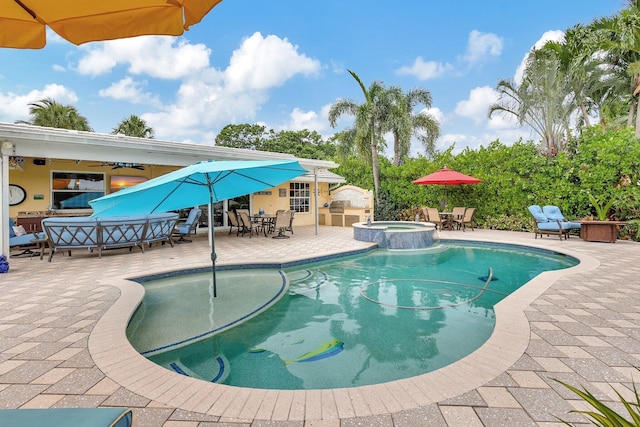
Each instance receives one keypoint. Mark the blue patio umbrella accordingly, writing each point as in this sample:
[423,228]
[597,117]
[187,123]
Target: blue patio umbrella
[201,183]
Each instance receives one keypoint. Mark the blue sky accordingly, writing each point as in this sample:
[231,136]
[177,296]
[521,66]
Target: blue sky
[282,64]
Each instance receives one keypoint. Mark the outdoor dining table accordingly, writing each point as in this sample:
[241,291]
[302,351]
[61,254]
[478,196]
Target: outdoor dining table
[447,220]
[266,221]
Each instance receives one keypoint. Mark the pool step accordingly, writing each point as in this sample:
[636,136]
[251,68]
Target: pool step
[219,370]
[306,280]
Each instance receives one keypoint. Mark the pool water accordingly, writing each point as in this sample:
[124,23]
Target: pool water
[366,319]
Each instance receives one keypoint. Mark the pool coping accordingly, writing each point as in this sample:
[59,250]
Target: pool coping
[113,354]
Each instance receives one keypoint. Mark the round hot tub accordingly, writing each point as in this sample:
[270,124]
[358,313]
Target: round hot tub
[397,234]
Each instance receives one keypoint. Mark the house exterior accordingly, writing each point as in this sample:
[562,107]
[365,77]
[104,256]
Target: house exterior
[47,171]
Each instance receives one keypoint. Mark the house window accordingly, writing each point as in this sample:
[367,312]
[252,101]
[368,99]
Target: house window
[299,196]
[74,190]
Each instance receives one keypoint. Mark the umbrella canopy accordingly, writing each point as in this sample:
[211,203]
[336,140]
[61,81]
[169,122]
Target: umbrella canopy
[446,176]
[23,22]
[201,183]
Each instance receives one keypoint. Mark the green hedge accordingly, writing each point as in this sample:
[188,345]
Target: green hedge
[606,165]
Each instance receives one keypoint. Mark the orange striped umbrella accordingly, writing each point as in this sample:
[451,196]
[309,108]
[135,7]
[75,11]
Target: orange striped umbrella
[23,22]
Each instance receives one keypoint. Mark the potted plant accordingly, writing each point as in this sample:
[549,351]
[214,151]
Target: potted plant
[602,208]
[601,229]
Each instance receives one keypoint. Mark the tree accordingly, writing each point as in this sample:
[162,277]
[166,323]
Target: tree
[404,123]
[301,143]
[251,137]
[134,126]
[540,101]
[621,38]
[575,56]
[48,113]
[370,121]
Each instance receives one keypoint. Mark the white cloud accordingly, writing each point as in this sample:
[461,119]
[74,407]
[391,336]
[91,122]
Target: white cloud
[553,35]
[156,56]
[130,90]
[16,107]
[425,70]
[211,98]
[476,107]
[265,62]
[481,46]
[306,120]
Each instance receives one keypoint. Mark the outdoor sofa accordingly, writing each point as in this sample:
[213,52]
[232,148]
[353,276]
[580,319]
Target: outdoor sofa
[67,233]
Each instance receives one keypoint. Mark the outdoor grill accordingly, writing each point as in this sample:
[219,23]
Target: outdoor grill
[338,206]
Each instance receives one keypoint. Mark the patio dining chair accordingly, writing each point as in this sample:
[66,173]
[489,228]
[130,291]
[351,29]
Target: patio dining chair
[434,217]
[248,226]
[233,222]
[466,220]
[282,223]
[291,216]
[425,213]
[189,227]
[457,214]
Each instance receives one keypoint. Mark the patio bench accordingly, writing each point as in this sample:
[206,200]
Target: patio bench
[67,233]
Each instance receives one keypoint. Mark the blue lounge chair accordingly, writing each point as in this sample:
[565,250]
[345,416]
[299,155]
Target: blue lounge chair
[545,225]
[555,214]
[24,240]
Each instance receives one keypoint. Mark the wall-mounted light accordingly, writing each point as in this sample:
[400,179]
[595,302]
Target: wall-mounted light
[6,146]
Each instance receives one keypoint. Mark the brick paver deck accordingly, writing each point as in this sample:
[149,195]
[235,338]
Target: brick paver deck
[62,342]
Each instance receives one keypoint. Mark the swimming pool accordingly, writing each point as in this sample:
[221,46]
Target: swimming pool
[364,319]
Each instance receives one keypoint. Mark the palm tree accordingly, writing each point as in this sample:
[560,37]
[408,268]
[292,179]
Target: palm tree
[539,101]
[48,113]
[621,37]
[370,121]
[134,126]
[575,55]
[404,123]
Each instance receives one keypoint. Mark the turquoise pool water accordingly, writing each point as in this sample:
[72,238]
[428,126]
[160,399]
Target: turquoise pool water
[360,320]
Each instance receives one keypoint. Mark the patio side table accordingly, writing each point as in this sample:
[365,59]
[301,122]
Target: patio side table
[600,231]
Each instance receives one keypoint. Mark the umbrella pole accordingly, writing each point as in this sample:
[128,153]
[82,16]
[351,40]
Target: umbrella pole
[213,247]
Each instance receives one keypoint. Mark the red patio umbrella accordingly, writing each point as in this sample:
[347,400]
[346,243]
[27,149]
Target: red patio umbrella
[445,177]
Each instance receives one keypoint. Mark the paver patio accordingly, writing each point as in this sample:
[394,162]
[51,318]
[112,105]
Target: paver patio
[62,342]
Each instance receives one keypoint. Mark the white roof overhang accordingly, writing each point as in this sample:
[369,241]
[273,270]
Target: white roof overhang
[35,141]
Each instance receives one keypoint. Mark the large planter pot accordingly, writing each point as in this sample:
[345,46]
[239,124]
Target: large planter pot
[600,231]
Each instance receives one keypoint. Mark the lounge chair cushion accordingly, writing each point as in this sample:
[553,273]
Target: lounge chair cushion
[553,226]
[537,213]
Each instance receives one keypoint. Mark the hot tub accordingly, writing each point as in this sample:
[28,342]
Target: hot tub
[397,234]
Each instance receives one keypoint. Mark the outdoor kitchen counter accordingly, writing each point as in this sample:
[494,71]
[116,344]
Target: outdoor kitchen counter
[346,218]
